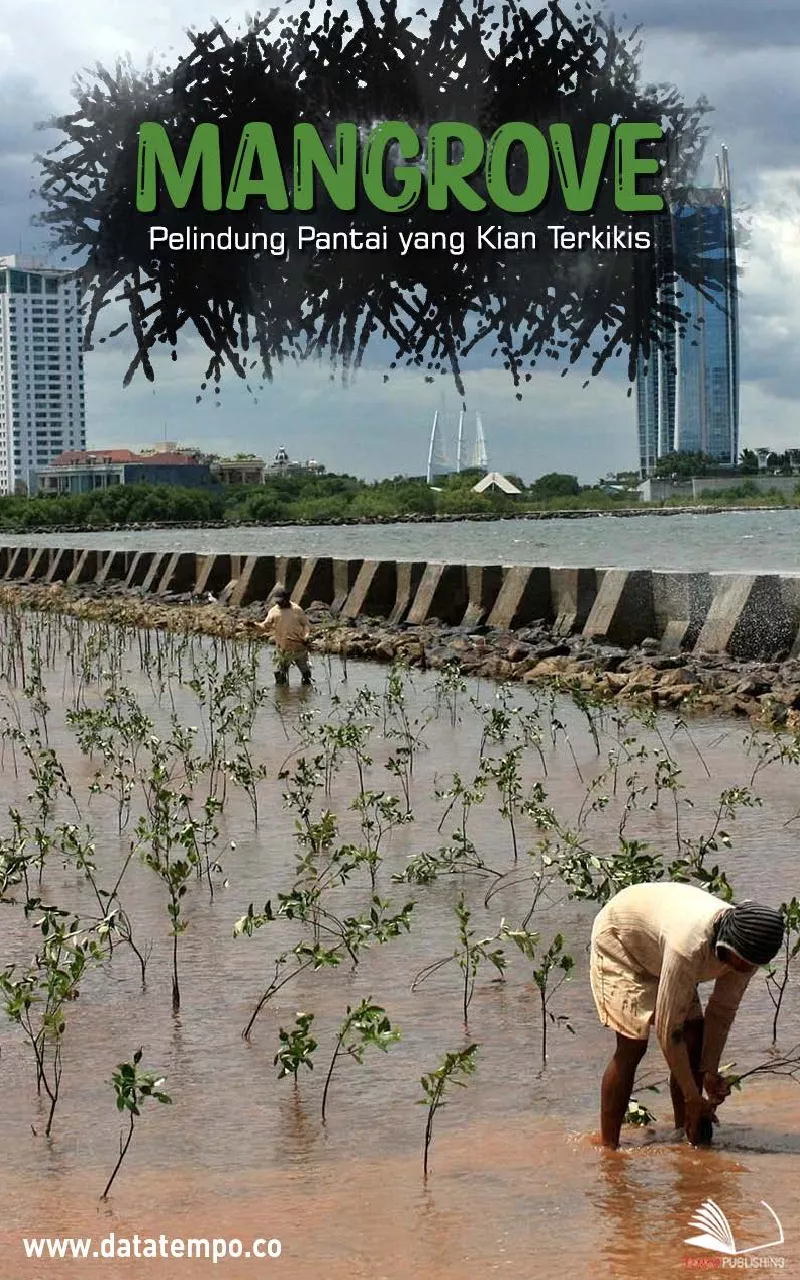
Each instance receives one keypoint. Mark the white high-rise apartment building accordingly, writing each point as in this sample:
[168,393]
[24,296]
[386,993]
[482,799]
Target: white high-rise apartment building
[42,411]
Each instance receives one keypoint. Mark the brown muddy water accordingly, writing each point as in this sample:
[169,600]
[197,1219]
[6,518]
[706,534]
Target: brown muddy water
[517,1186]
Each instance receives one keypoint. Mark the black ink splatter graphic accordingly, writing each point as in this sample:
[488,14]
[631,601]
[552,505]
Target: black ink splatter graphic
[473,61]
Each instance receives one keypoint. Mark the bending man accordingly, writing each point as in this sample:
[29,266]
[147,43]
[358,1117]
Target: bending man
[651,946]
[291,629]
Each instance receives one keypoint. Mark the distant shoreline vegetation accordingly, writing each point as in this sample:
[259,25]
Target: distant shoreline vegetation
[330,499]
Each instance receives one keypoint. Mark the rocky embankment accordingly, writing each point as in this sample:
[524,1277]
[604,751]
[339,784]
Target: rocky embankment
[690,683]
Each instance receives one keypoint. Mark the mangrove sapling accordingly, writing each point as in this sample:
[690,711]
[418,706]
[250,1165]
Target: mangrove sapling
[507,777]
[691,865]
[589,875]
[79,848]
[470,953]
[400,766]
[557,727]
[297,1048]
[167,841]
[349,937]
[435,1085]
[777,748]
[132,1086]
[449,686]
[786,1064]
[364,1026]
[35,998]
[14,858]
[778,971]
[554,961]
[379,814]
[638,1115]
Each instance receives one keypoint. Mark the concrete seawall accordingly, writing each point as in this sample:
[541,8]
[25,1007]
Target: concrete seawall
[745,615]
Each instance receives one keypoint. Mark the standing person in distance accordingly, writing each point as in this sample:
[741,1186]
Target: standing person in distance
[291,629]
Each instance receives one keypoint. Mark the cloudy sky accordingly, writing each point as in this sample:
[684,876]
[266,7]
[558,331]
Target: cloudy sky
[741,54]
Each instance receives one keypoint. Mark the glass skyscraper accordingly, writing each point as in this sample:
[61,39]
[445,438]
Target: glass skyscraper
[687,394]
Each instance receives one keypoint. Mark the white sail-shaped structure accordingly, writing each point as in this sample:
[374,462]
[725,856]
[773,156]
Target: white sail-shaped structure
[437,458]
[441,460]
[480,457]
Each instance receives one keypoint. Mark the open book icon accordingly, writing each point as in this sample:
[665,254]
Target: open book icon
[717,1234]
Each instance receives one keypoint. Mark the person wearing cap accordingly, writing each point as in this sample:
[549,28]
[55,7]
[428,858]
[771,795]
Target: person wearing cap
[287,622]
[652,944]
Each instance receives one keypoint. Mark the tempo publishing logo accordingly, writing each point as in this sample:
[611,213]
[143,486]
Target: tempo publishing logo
[717,1237]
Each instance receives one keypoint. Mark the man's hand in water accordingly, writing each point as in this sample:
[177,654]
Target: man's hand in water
[716,1087]
[697,1108]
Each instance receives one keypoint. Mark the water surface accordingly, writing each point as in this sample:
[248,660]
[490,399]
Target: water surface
[517,1187]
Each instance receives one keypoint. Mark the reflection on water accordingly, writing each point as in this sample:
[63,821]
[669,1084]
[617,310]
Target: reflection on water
[518,1187]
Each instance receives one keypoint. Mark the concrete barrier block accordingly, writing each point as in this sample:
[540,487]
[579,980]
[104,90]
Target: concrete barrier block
[442,593]
[156,570]
[374,592]
[38,564]
[225,594]
[572,594]
[180,574]
[255,581]
[484,584]
[287,571]
[748,616]
[62,563]
[86,567]
[139,568]
[623,609]
[115,565]
[315,581]
[408,577]
[213,574]
[681,602]
[345,574]
[19,560]
[524,597]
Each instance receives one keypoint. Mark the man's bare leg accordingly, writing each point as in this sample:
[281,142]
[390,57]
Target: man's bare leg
[693,1035]
[617,1087]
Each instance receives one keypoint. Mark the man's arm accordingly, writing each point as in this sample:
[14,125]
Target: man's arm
[266,623]
[301,617]
[676,988]
[720,1012]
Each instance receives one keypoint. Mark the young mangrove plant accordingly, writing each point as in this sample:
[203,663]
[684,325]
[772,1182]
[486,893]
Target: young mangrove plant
[347,937]
[453,1067]
[297,1048]
[449,686]
[35,997]
[507,777]
[555,962]
[132,1087]
[363,1027]
[469,954]
[778,971]
[378,815]
[166,838]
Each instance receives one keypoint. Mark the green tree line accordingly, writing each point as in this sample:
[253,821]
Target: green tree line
[312,499]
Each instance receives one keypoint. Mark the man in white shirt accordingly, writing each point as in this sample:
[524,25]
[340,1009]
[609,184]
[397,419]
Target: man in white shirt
[651,946]
[287,622]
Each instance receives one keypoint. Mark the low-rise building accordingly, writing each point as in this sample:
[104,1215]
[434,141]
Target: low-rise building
[238,470]
[85,470]
[283,465]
